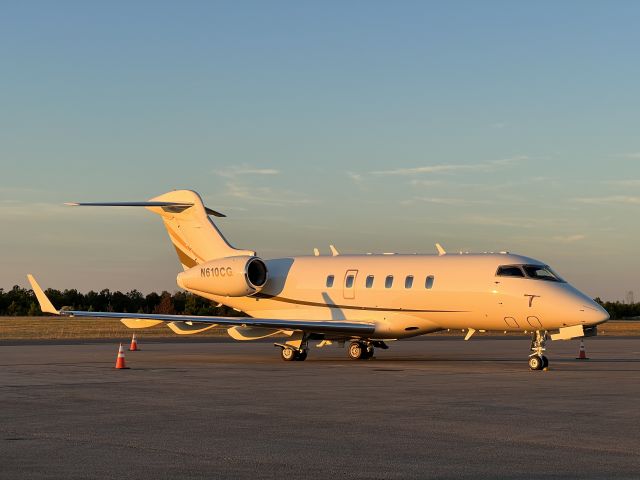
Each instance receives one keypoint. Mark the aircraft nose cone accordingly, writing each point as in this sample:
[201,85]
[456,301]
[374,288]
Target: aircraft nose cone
[595,314]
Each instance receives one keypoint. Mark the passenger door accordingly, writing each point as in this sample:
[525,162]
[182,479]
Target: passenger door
[349,285]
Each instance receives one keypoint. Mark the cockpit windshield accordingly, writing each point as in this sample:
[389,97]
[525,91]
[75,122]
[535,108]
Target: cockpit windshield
[510,271]
[535,272]
[540,272]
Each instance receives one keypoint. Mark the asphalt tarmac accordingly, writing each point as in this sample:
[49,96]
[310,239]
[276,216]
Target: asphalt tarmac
[432,408]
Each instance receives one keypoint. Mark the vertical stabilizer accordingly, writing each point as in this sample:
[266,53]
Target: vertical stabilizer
[194,236]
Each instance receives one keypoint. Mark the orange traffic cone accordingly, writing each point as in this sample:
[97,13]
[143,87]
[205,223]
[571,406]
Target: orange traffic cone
[583,354]
[120,360]
[134,344]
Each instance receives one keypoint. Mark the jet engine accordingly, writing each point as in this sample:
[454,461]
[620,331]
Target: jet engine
[229,277]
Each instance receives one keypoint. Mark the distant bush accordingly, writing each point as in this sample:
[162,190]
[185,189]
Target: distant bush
[621,311]
[22,302]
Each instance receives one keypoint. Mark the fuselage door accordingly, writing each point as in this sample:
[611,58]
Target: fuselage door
[349,290]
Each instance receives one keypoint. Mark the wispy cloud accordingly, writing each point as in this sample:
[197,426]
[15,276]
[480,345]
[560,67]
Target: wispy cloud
[569,238]
[625,183]
[632,155]
[497,221]
[356,177]
[425,183]
[445,201]
[235,171]
[266,195]
[610,200]
[486,187]
[452,168]
[13,190]
[527,222]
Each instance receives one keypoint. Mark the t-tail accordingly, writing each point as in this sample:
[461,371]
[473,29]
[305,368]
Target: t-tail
[194,236]
[211,264]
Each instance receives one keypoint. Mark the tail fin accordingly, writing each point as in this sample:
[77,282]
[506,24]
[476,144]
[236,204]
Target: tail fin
[194,236]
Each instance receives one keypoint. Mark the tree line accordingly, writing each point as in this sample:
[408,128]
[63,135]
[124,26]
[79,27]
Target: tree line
[621,310]
[22,302]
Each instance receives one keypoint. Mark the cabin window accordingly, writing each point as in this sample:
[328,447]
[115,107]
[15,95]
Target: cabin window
[349,281]
[369,282]
[428,283]
[510,271]
[330,281]
[408,282]
[388,282]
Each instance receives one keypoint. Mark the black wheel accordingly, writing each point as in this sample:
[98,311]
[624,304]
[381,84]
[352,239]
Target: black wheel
[301,356]
[545,362]
[535,363]
[368,353]
[288,354]
[356,350]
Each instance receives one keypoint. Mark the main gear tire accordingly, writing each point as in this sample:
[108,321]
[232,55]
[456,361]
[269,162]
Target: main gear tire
[288,354]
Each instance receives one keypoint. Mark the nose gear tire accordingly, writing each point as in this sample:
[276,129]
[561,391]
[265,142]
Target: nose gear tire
[536,362]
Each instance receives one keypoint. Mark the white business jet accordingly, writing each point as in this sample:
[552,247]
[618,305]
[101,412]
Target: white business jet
[364,300]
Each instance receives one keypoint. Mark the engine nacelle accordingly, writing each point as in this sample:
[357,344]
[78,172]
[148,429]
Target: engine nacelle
[229,277]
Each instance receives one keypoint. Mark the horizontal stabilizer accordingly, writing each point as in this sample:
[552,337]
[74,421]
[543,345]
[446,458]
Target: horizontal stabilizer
[175,206]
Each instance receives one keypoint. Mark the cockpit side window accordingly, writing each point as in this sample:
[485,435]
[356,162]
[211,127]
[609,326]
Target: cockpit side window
[541,272]
[510,271]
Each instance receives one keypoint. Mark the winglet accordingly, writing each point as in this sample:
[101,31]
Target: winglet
[45,305]
[441,250]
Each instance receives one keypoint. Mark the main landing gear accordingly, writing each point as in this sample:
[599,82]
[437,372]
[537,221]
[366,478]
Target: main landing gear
[360,350]
[295,349]
[363,349]
[290,354]
[537,361]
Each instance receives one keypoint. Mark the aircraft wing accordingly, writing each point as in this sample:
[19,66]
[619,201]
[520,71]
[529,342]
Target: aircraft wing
[311,326]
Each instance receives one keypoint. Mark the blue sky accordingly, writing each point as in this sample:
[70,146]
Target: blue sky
[376,126]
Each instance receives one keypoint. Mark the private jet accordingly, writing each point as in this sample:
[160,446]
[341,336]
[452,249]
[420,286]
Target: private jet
[364,301]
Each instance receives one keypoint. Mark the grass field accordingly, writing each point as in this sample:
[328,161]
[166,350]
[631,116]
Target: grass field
[54,328]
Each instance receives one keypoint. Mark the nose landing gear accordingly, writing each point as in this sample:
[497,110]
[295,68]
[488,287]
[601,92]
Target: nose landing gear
[537,361]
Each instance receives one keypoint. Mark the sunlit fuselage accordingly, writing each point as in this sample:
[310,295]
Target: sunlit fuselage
[464,292]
